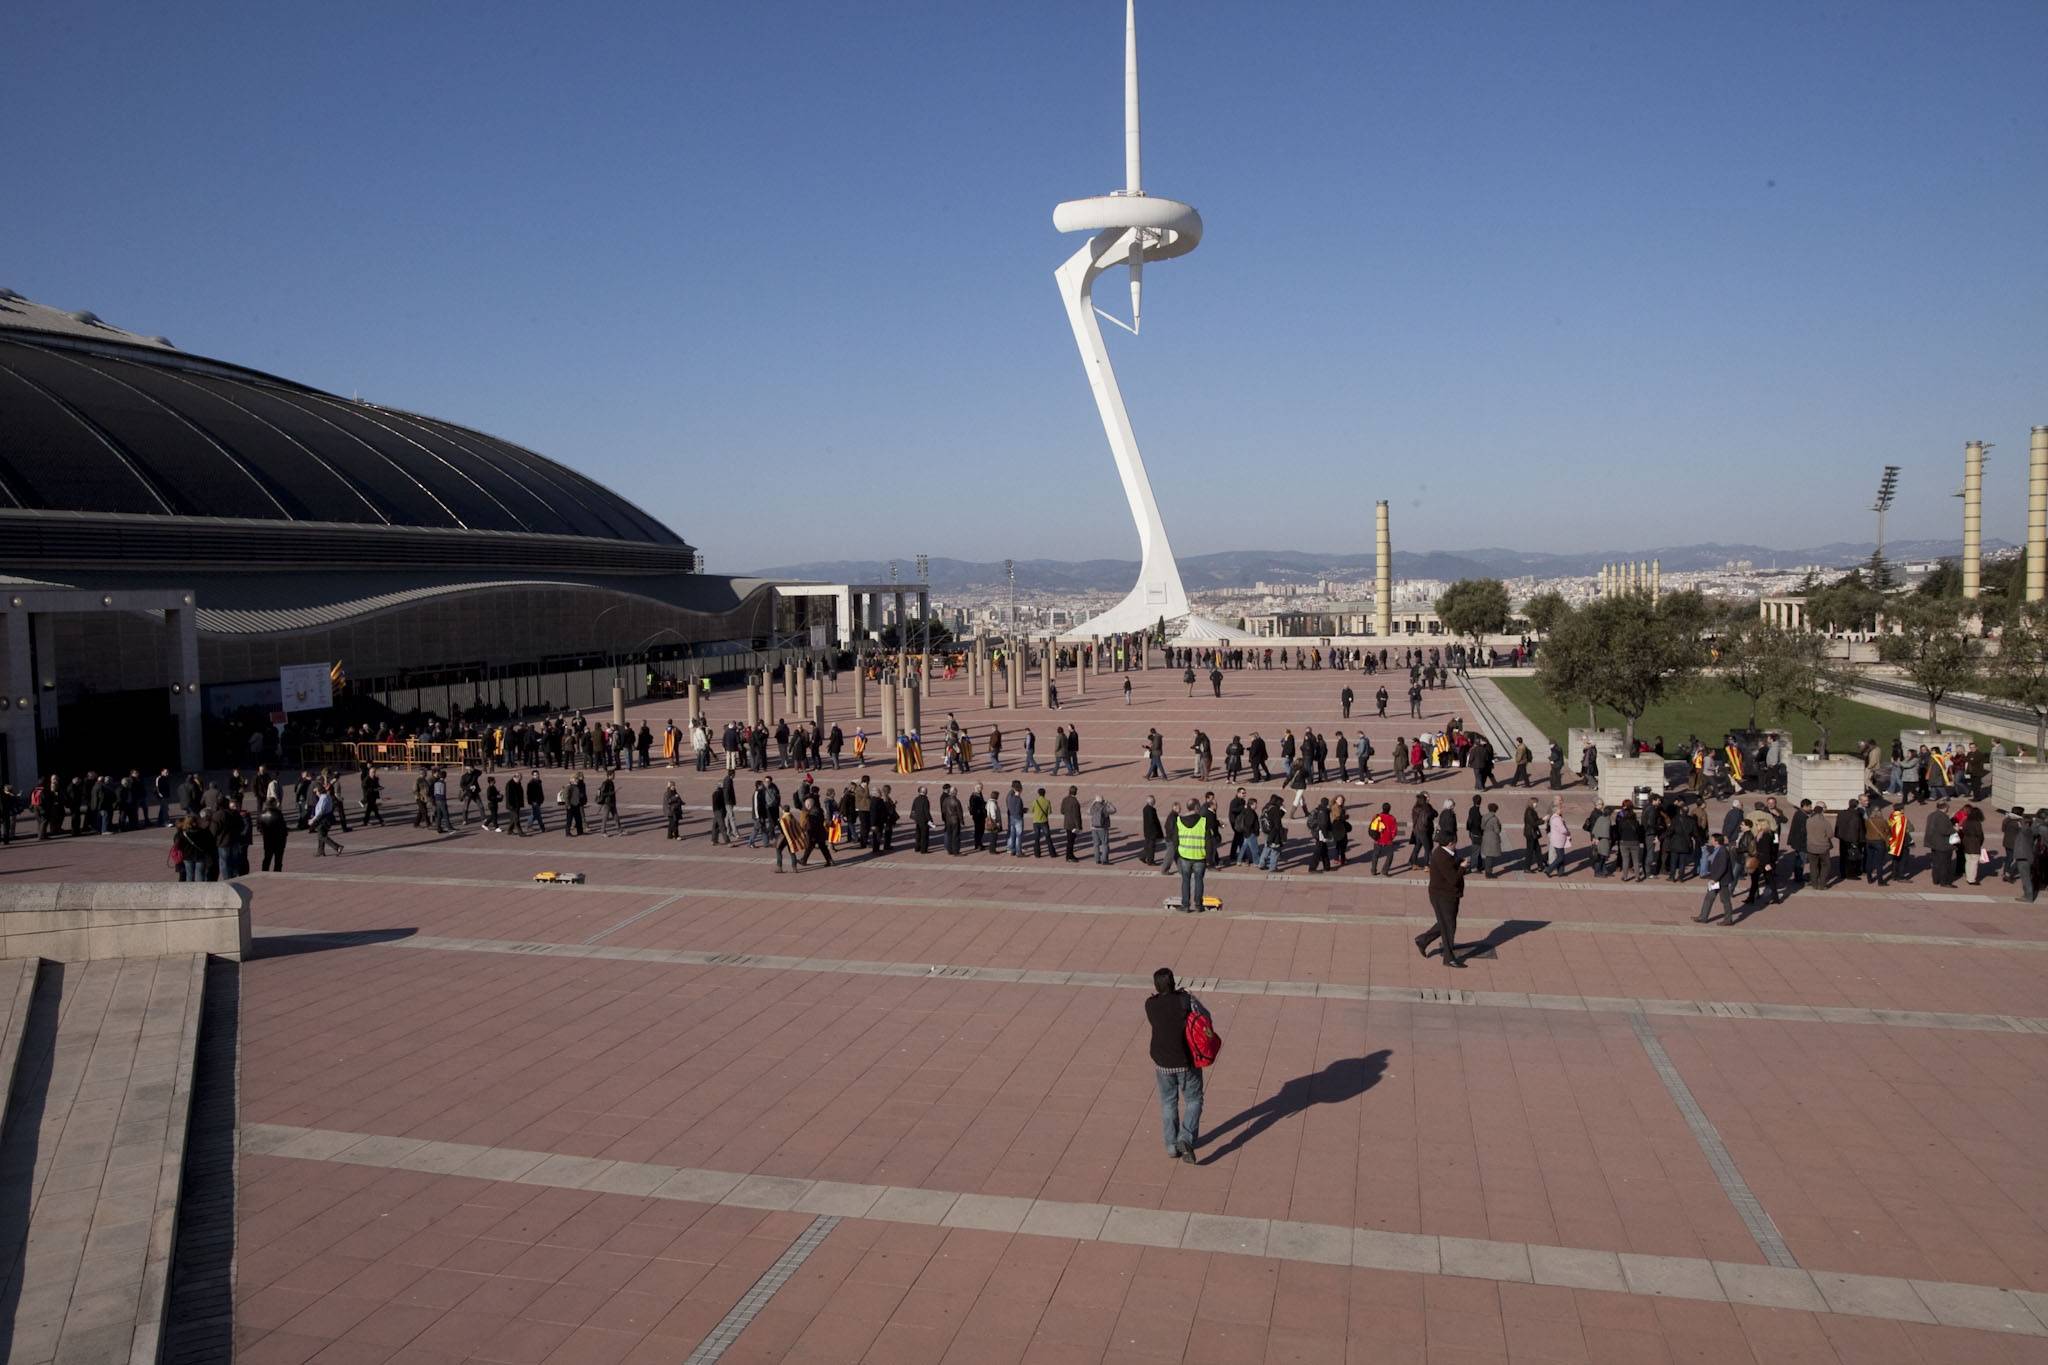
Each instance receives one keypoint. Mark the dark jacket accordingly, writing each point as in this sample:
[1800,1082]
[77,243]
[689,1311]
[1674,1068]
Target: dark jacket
[1446,877]
[1168,1015]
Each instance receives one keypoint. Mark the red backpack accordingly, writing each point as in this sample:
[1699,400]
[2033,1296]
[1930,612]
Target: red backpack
[1204,1042]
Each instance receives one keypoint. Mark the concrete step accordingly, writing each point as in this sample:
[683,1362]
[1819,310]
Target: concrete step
[17,986]
[92,1152]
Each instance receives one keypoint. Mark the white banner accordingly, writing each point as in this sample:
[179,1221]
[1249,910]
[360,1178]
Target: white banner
[306,687]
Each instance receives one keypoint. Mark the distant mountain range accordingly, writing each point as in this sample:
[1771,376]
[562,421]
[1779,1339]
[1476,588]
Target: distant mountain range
[1242,568]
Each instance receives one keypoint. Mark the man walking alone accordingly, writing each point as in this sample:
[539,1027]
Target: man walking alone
[1173,1066]
[1446,889]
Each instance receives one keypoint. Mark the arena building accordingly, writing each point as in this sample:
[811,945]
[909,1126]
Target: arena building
[175,530]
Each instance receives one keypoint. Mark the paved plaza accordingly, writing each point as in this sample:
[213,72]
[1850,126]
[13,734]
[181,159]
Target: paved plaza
[900,1110]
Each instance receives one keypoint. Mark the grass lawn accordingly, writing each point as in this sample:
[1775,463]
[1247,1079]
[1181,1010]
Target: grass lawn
[1712,710]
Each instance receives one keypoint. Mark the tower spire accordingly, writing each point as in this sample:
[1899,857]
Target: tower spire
[1133,179]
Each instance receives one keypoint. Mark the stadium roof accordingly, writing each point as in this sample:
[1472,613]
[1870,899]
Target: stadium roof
[94,419]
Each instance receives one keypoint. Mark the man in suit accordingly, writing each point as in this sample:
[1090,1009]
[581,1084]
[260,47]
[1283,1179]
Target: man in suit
[1446,889]
[1720,882]
[921,821]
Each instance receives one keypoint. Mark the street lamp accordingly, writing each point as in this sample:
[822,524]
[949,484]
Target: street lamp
[924,577]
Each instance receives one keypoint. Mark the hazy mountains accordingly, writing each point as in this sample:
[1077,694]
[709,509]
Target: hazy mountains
[1242,568]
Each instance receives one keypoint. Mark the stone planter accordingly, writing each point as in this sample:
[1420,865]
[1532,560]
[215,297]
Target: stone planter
[1578,736]
[1934,739]
[2018,782]
[1622,777]
[1833,780]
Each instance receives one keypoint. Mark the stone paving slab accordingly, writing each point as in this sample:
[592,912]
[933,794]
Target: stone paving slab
[1506,1265]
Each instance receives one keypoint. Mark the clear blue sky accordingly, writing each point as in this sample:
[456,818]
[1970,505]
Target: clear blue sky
[783,272]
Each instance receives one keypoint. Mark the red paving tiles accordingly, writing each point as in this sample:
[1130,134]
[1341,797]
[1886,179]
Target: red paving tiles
[1875,1149]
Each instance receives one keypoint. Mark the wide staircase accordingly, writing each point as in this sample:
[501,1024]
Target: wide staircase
[116,1159]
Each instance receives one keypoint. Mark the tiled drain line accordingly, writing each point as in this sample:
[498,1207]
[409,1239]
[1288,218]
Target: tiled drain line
[1951,1304]
[756,1298]
[1648,929]
[631,920]
[1747,1205]
[1325,990]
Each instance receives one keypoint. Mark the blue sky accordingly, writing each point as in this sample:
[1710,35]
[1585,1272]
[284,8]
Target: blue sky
[1547,276]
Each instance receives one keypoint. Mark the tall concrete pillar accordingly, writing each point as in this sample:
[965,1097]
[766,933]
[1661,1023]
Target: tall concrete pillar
[1656,581]
[860,685]
[184,630]
[889,718]
[805,694]
[1080,674]
[1973,518]
[1013,672]
[1045,674]
[1095,655]
[988,675]
[1383,573]
[913,705]
[790,668]
[753,699]
[2037,515]
[695,699]
[23,765]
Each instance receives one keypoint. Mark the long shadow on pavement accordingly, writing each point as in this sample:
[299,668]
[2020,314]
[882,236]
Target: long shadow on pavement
[1341,1080]
[292,945]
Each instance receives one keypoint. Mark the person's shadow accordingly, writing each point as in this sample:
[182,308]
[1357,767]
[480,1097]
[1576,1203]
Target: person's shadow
[1503,933]
[1339,1081]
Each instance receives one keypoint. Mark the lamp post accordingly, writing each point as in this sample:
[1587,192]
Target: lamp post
[924,609]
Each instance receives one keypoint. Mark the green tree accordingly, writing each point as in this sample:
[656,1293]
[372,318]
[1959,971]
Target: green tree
[1877,572]
[1849,603]
[1932,649]
[1946,580]
[1624,653]
[1474,607]
[1544,611]
[2019,671]
[1749,655]
[1805,680]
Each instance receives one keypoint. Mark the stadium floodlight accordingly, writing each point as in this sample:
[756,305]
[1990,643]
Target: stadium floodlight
[1887,494]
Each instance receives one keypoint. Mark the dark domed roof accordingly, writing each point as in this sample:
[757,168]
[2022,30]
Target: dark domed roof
[97,420]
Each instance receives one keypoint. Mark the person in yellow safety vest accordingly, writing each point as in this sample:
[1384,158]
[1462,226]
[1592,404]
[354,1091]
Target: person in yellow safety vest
[1191,851]
[1896,832]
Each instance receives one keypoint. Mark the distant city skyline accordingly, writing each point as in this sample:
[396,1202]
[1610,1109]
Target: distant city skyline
[1501,266]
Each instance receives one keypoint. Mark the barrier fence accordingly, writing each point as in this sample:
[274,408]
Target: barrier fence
[403,754]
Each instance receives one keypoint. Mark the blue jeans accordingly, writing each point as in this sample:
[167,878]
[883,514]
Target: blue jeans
[1153,767]
[1101,845]
[1180,1105]
[1031,761]
[1017,837]
[1269,856]
[1248,851]
[1191,875]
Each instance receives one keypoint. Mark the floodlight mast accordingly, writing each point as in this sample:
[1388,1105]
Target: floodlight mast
[1887,493]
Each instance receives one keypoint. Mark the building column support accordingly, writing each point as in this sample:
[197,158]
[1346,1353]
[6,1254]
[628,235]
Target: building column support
[184,631]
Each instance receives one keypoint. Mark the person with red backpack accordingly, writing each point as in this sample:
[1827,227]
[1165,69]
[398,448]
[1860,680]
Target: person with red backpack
[1184,1041]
